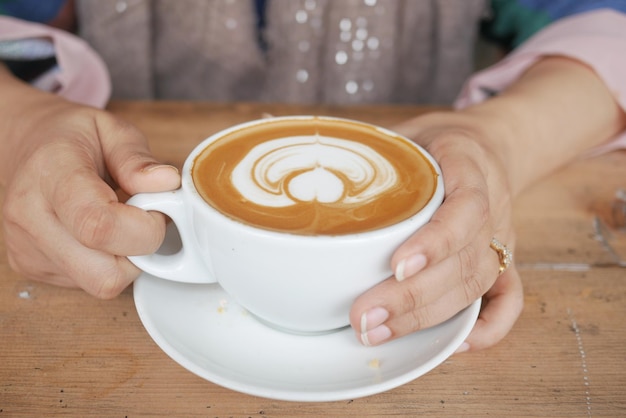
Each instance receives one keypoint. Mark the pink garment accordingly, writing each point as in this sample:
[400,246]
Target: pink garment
[83,77]
[597,38]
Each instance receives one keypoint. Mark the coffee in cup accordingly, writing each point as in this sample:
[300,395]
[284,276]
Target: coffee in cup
[323,177]
[295,216]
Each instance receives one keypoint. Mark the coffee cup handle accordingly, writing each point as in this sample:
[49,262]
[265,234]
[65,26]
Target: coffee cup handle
[187,264]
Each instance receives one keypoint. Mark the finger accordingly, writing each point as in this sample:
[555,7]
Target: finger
[92,214]
[56,257]
[104,277]
[429,298]
[484,280]
[452,227]
[502,306]
[129,160]
[466,209]
[88,207]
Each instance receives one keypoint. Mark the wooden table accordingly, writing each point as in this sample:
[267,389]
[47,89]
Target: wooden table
[65,353]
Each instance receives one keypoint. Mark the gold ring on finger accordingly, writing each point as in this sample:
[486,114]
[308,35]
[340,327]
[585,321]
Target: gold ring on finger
[505,256]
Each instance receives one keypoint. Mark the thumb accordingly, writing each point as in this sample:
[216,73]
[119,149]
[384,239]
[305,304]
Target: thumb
[129,160]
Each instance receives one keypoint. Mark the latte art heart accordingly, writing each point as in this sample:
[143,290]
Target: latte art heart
[314,176]
[318,184]
[285,171]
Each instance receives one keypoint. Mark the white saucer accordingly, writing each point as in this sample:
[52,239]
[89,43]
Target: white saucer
[205,331]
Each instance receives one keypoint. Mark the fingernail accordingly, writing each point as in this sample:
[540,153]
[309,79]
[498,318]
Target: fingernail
[376,335]
[410,266]
[372,330]
[373,318]
[462,348]
[152,167]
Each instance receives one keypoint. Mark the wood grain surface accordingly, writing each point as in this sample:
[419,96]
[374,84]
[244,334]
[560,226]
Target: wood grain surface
[67,354]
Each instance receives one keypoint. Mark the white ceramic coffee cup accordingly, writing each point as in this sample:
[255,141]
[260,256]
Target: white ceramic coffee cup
[299,283]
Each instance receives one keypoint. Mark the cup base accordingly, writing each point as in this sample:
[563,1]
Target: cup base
[295,331]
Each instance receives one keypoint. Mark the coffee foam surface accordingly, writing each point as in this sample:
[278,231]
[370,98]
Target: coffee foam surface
[307,177]
[285,171]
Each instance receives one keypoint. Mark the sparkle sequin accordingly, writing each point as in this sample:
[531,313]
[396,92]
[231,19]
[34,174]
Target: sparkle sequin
[345,24]
[302,76]
[355,43]
[302,16]
[121,6]
[352,87]
[372,43]
[341,57]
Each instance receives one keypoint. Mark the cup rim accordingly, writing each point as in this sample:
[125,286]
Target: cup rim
[188,186]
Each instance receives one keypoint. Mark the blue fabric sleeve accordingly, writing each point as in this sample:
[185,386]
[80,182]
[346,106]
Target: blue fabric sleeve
[41,11]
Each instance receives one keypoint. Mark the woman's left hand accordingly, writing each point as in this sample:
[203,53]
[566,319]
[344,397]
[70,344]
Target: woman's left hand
[448,263]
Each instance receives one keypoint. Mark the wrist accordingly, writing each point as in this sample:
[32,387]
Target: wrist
[500,135]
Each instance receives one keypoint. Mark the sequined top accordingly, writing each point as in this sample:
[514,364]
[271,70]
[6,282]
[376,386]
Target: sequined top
[307,51]
[591,37]
[416,51]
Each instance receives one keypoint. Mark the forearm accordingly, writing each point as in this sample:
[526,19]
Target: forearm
[555,111]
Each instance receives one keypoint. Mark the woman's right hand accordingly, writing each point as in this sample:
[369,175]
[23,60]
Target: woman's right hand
[62,219]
